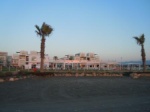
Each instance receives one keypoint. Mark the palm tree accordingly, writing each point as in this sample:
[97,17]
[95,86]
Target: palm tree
[45,30]
[140,41]
[55,58]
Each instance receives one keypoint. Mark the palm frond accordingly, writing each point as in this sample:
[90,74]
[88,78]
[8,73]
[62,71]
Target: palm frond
[38,33]
[137,40]
[38,28]
[142,39]
[46,29]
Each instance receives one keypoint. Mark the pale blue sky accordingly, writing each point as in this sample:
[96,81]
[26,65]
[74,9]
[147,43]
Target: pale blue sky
[105,27]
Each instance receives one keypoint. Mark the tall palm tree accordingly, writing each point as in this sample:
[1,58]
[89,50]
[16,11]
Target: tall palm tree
[44,31]
[140,41]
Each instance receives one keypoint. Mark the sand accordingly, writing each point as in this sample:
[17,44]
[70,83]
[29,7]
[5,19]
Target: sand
[76,94]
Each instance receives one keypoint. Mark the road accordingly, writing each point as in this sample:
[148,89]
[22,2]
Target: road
[76,94]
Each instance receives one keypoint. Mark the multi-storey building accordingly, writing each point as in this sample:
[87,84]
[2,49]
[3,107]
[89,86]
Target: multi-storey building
[34,60]
[15,60]
[78,61]
[19,59]
[28,61]
[3,58]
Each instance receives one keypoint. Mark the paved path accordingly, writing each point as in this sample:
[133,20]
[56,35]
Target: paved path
[71,94]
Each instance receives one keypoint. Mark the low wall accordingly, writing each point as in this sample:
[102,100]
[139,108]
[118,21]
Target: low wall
[14,76]
[88,74]
[109,74]
[139,74]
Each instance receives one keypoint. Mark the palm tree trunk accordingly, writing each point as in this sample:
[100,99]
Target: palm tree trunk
[42,53]
[143,57]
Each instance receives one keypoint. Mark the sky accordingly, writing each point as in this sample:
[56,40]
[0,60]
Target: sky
[103,27]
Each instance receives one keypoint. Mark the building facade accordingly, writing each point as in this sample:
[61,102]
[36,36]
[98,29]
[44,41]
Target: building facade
[77,61]
[30,60]
[34,60]
[3,58]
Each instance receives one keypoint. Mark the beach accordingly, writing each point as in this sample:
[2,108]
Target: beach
[76,94]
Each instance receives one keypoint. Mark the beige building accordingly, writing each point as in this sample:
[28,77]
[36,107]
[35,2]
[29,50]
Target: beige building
[77,61]
[34,60]
[19,59]
[83,61]
[29,60]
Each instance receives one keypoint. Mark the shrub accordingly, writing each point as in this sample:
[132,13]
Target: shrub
[7,74]
[2,74]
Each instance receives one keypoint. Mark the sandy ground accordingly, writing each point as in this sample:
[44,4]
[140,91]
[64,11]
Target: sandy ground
[76,94]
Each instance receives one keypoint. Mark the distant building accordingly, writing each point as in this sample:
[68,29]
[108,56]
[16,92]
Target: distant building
[29,61]
[15,60]
[34,60]
[9,60]
[26,60]
[77,61]
[3,58]
[19,59]
[110,65]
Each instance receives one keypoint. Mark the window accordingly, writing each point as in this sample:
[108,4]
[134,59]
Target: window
[22,56]
[27,58]
[33,59]
[1,58]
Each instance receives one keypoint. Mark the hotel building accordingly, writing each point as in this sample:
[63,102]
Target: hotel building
[3,58]
[28,61]
[77,61]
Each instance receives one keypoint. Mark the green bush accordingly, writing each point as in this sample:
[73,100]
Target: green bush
[8,73]
[2,74]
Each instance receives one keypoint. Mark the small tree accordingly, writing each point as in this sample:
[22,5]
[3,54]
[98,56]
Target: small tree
[71,58]
[45,30]
[55,58]
[140,41]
